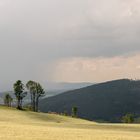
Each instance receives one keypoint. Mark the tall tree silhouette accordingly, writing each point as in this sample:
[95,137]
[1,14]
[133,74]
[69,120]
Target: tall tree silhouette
[32,90]
[8,100]
[19,93]
[36,91]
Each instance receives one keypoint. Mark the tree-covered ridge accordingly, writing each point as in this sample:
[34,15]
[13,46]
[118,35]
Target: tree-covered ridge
[107,101]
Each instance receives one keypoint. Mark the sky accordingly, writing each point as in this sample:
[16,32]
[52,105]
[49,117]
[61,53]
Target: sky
[69,40]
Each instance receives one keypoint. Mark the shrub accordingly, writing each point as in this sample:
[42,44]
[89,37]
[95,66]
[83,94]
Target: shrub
[128,118]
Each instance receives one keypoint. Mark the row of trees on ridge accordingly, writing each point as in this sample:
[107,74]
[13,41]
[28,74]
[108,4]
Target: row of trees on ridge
[33,88]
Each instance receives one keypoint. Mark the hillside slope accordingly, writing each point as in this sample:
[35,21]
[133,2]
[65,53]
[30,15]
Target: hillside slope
[24,125]
[106,101]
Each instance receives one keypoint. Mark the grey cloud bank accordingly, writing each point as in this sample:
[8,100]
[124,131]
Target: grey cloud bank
[34,34]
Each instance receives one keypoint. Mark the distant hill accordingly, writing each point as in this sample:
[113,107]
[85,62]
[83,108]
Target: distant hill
[106,101]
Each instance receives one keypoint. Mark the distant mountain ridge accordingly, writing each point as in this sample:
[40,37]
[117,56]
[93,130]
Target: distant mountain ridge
[105,101]
[66,85]
[51,88]
[58,88]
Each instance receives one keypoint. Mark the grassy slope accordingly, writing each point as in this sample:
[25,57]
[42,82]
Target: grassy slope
[23,125]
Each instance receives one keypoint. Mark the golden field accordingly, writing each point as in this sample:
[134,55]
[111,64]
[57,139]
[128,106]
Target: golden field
[25,125]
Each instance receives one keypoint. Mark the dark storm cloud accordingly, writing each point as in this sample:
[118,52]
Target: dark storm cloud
[81,28]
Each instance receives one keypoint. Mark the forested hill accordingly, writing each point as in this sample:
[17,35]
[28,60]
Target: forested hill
[105,101]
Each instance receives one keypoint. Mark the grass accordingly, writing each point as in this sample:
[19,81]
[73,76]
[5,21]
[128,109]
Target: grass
[25,125]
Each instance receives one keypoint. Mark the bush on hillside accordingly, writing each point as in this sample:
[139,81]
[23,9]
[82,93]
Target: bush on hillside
[128,118]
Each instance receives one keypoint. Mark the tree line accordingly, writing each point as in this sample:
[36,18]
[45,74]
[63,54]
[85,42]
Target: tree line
[20,90]
[35,90]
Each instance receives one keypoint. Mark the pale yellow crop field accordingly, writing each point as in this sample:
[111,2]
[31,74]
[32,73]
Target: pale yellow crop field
[23,125]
